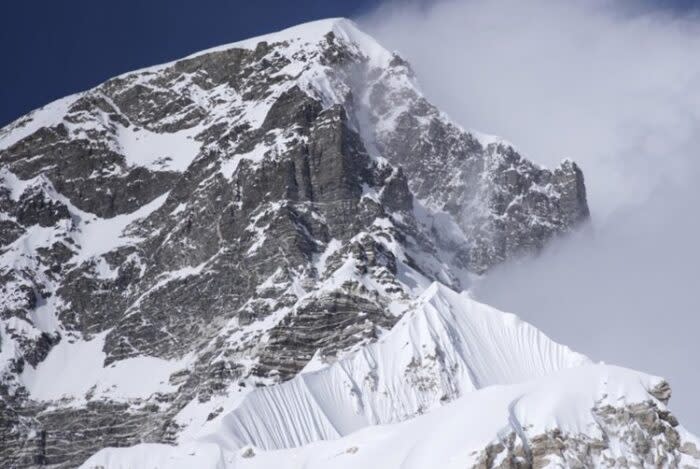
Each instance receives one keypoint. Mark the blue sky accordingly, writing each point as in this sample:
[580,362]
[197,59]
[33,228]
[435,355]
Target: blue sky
[56,48]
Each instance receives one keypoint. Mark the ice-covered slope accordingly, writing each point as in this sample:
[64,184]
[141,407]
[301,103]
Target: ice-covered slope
[444,346]
[590,416]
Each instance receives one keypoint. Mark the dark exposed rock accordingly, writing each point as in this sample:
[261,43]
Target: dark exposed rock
[635,430]
[293,107]
[9,232]
[505,204]
[662,392]
[82,171]
[34,208]
[324,325]
[42,348]
[62,436]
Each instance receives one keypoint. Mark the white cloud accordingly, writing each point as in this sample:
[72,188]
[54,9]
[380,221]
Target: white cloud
[616,87]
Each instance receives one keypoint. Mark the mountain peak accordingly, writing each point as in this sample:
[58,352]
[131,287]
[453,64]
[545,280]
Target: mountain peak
[242,216]
[299,37]
[308,33]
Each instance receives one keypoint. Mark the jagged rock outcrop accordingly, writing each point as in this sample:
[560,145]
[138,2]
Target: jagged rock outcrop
[638,435]
[227,218]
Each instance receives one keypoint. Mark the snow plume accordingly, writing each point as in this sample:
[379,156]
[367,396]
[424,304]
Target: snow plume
[616,87]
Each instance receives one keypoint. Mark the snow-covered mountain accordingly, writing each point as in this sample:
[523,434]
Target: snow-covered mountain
[253,255]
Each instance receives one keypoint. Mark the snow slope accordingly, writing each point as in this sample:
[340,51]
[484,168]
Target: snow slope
[452,436]
[74,370]
[454,384]
[445,346]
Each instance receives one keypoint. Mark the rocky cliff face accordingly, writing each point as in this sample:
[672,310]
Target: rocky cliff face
[228,220]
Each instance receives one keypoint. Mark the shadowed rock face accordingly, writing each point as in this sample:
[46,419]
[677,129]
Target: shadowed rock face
[504,203]
[267,216]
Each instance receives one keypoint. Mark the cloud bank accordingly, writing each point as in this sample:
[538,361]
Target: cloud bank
[616,87]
